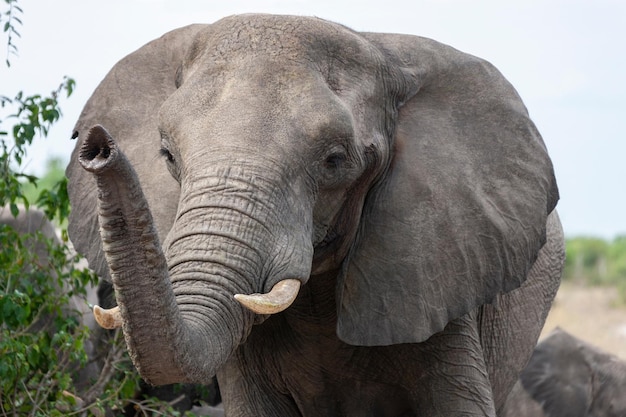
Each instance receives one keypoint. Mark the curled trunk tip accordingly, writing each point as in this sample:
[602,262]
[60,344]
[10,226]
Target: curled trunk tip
[97,149]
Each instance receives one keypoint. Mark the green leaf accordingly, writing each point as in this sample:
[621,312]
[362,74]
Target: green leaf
[69,85]
[14,210]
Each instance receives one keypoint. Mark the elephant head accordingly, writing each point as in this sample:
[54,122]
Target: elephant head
[294,147]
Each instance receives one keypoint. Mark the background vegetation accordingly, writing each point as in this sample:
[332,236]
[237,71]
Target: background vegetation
[42,344]
[596,261]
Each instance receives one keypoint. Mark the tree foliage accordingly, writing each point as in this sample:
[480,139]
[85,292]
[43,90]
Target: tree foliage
[40,346]
[11,21]
[597,261]
[30,115]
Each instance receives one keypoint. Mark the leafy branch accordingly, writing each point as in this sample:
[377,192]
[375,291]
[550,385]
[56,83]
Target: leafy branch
[32,115]
[12,20]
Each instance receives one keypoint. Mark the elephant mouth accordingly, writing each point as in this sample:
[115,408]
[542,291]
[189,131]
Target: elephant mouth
[326,249]
[329,239]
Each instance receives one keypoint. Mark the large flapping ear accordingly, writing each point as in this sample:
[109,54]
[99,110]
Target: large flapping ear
[461,214]
[126,103]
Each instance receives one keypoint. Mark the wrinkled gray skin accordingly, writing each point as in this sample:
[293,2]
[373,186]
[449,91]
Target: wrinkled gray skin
[400,180]
[569,377]
[30,222]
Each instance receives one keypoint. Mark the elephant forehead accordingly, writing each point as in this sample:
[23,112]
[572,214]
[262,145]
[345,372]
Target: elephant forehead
[291,37]
[271,55]
[263,96]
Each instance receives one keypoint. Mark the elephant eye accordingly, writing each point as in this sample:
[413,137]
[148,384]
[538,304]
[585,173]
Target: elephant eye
[335,160]
[336,167]
[172,166]
[167,154]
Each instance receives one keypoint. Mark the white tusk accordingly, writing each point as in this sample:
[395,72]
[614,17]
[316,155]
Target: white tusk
[108,319]
[275,301]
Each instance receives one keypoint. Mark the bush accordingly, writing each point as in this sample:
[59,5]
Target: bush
[596,261]
[40,345]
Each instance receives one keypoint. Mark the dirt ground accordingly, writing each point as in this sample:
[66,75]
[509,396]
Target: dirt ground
[591,314]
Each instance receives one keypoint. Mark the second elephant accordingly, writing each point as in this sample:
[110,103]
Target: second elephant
[568,377]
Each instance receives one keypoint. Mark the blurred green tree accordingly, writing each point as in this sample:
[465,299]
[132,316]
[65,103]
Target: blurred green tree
[596,261]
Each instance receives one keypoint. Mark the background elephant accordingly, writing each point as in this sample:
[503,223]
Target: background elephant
[569,377]
[381,205]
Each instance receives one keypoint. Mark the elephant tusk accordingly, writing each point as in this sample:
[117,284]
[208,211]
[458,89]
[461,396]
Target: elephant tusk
[108,319]
[278,299]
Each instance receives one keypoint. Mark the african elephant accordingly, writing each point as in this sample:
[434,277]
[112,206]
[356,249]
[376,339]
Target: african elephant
[569,377]
[341,223]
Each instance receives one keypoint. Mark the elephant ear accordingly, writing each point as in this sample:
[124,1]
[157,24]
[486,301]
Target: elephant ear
[126,103]
[460,215]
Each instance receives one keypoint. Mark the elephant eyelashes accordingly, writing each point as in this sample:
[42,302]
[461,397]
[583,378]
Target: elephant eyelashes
[172,167]
[167,154]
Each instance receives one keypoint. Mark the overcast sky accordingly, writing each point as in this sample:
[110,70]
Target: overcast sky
[567,59]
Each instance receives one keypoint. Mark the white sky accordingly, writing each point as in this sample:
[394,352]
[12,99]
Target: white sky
[567,59]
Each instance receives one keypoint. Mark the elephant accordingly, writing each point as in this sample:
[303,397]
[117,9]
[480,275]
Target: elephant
[332,222]
[567,376]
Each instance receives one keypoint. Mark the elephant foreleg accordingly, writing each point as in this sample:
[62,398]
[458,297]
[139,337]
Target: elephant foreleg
[510,326]
[455,381]
[246,392]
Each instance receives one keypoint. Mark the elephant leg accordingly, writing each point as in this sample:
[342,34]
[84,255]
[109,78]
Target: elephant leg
[510,327]
[246,392]
[455,381]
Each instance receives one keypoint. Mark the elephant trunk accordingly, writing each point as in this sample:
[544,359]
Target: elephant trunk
[165,343]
